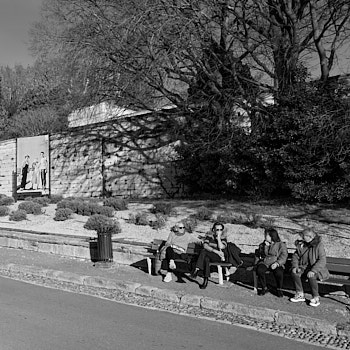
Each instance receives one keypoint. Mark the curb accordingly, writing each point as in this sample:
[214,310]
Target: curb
[190,300]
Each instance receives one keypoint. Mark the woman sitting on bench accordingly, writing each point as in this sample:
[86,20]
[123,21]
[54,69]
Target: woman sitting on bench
[216,249]
[175,248]
[271,255]
[309,261]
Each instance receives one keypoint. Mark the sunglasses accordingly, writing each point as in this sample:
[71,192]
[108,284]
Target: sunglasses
[180,227]
[218,229]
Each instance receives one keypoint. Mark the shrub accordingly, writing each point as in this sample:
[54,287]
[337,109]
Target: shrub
[104,210]
[55,198]
[190,223]
[159,222]
[30,207]
[162,208]
[5,200]
[86,208]
[251,220]
[18,215]
[63,214]
[4,211]
[116,203]
[102,224]
[43,201]
[204,213]
[139,219]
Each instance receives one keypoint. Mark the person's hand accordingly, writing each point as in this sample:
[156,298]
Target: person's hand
[274,265]
[310,274]
[221,255]
[295,269]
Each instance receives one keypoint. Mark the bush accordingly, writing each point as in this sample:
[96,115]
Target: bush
[4,211]
[30,207]
[159,222]
[190,223]
[251,220]
[43,201]
[55,198]
[5,200]
[139,219]
[104,210]
[18,215]
[164,208]
[102,224]
[65,203]
[204,213]
[63,214]
[116,203]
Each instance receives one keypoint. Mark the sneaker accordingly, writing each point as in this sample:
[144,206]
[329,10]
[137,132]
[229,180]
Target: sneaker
[172,265]
[168,277]
[297,297]
[231,271]
[315,301]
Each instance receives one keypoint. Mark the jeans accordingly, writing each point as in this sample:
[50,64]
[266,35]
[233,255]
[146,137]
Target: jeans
[277,273]
[312,282]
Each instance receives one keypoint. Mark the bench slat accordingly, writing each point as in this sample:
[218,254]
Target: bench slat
[339,261]
[338,268]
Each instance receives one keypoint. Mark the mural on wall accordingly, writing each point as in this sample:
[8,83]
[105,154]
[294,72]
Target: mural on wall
[33,164]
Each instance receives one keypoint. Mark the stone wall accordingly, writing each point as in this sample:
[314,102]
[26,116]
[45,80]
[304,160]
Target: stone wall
[7,165]
[130,158]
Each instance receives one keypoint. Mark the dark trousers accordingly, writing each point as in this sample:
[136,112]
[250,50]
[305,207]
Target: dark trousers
[204,259]
[312,282]
[232,254]
[171,255]
[277,273]
[43,178]
[24,177]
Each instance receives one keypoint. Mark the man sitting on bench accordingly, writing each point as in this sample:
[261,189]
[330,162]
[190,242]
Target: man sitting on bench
[175,248]
[216,249]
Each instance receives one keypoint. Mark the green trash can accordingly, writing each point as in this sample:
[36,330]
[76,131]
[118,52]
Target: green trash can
[104,246]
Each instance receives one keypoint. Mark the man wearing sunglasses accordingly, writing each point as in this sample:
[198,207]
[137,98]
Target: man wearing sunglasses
[176,247]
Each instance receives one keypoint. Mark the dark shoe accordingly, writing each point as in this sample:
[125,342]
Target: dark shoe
[205,283]
[279,293]
[263,291]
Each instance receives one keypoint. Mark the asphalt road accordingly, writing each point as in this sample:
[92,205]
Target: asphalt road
[35,318]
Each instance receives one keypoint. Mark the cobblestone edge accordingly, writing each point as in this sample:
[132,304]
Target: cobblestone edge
[310,330]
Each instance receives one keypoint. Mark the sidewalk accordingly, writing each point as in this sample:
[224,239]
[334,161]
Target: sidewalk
[331,317]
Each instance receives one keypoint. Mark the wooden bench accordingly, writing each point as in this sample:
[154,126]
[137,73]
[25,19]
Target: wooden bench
[339,268]
[192,250]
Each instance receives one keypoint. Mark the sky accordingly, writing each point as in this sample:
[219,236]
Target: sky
[16,17]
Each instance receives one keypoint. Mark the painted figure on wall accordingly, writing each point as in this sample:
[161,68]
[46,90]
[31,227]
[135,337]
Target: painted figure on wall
[35,174]
[43,170]
[25,169]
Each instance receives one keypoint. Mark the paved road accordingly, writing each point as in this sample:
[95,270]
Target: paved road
[34,317]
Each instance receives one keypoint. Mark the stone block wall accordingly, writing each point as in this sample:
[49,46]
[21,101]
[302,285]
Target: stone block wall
[7,165]
[120,158]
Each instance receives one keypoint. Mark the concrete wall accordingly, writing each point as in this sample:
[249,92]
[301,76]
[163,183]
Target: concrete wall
[7,165]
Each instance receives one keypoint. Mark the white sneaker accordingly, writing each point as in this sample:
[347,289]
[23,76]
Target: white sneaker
[297,298]
[315,301]
[168,277]
[172,265]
